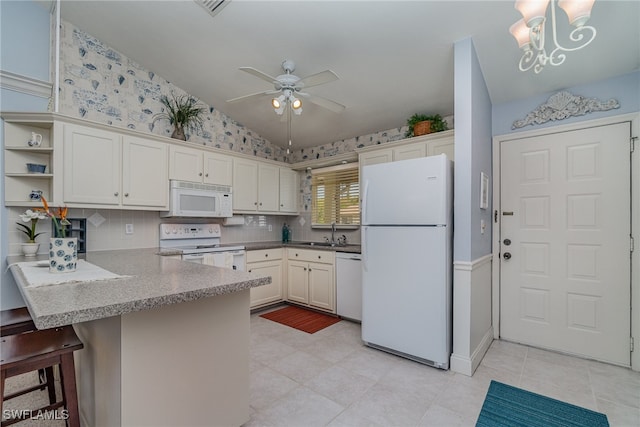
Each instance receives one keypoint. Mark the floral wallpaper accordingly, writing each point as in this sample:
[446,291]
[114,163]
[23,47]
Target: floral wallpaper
[102,85]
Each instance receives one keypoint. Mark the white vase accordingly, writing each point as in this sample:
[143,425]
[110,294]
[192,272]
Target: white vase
[63,254]
[30,249]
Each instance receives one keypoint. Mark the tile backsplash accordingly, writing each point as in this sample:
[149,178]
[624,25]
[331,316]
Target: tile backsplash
[110,233]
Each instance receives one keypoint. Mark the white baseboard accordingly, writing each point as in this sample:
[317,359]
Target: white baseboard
[472,327]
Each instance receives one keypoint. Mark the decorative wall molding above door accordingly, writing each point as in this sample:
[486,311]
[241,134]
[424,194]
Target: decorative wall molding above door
[563,105]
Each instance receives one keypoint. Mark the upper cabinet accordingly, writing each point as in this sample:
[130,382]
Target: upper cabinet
[289,189]
[255,186]
[194,165]
[29,160]
[421,146]
[109,169]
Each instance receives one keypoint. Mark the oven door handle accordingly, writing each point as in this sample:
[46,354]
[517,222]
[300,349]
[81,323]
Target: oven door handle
[192,257]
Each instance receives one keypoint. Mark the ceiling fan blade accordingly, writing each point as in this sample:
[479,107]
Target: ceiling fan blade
[320,78]
[323,102]
[253,95]
[259,74]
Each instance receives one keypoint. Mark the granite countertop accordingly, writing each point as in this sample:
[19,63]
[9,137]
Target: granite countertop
[153,281]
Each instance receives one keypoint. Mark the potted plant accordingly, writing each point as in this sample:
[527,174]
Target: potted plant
[31,247]
[422,124]
[183,112]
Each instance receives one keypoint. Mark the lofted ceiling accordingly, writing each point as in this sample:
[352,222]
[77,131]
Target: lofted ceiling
[394,58]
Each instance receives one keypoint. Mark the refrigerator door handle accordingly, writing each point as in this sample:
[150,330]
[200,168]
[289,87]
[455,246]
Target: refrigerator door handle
[363,242]
[364,201]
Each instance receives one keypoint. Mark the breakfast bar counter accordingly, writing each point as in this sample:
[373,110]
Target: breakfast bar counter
[166,342]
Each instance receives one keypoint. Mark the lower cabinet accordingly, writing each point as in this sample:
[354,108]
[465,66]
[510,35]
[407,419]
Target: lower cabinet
[268,262]
[311,278]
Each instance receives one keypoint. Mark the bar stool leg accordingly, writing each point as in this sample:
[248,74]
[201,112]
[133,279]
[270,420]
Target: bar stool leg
[69,392]
[49,384]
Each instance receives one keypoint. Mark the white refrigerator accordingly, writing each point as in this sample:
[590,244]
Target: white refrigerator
[407,221]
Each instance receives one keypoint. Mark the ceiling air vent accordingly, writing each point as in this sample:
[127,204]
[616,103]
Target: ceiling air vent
[213,6]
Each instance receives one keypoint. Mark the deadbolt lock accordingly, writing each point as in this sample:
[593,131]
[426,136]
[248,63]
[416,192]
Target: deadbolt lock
[507,242]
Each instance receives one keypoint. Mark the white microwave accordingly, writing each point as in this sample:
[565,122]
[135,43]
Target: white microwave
[189,199]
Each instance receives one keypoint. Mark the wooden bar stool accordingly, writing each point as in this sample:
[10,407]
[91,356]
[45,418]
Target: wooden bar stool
[42,349]
[15,321]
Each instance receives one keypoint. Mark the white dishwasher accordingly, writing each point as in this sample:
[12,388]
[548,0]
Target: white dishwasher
[349,285]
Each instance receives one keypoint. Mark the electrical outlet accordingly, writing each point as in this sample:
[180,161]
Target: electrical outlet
[128,228]
[270,227]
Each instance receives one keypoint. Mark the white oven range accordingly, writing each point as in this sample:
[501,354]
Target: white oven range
[201,243]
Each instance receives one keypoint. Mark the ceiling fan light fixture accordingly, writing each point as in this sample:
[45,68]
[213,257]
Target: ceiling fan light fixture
[296,103]
[521,33]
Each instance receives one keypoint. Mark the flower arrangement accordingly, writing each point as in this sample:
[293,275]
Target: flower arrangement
[33,217]
[59,219]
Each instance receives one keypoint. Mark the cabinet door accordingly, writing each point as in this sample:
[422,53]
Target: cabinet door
[446,146]
[268,188]
[145,177]
[268,293]
[376,157]
[321,287]
[411,151]
[185,164]
[288,190]
[297,281]
[245,185]
[218,169]
[91,166]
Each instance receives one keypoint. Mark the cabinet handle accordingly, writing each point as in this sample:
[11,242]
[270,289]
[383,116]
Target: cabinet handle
[305,269]
[249,271]
[126,194]
[281,205]
[309,268]
[206,174]
[319,256]
[255,203]
[260,203]
[296,254]
[116,194]
[200,174]
[266,255]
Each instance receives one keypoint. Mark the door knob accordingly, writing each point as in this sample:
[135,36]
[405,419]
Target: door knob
[507,255]
[507,242]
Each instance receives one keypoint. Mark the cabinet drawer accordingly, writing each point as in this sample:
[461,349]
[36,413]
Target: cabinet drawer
[326,257]
[264,255]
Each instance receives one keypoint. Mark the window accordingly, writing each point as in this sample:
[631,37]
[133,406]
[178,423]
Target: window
[335,193]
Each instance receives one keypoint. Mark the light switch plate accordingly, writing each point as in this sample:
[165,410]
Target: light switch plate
[128,228]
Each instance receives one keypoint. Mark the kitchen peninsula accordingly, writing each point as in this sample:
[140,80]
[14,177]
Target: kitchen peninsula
[165,344]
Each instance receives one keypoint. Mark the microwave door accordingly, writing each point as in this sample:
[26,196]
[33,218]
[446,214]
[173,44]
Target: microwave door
[197,204]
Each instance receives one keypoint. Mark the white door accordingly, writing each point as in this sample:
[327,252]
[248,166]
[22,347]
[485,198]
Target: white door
[565,224]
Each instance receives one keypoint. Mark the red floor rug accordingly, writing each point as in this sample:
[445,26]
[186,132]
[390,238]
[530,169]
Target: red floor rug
[299,318]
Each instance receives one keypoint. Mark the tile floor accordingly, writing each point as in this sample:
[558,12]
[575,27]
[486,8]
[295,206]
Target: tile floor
[330,379]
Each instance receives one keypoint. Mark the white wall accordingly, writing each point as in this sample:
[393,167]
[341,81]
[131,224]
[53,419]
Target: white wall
[472,331]
[27,57]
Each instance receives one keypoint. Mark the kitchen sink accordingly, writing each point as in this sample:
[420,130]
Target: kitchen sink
[325,244]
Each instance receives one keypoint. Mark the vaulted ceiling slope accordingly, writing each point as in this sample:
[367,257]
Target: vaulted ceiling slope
[394,58]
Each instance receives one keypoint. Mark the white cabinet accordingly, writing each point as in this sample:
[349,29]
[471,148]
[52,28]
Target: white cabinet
[106,168]
[289,188]
[255,186]
[267,262]
[421,146]
[375,157]
[91,166]
[311,278]
[19,182]
[193,165]
[144,173]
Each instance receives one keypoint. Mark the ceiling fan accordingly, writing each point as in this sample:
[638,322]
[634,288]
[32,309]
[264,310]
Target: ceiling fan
[288,87]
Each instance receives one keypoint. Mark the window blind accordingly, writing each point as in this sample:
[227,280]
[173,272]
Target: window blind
[335,195]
